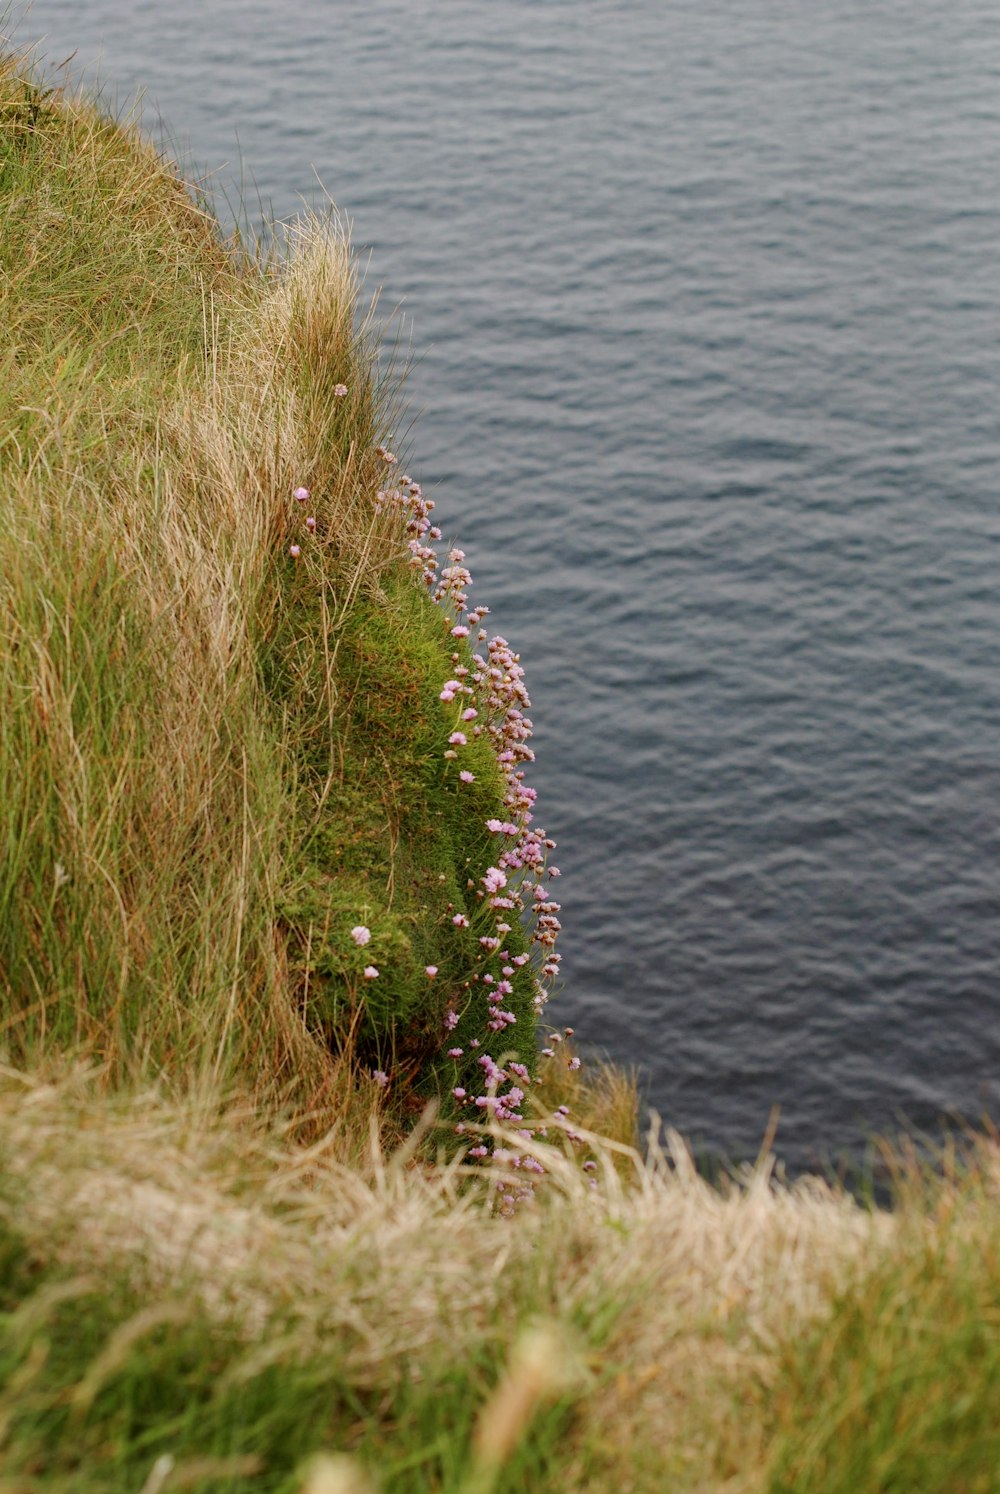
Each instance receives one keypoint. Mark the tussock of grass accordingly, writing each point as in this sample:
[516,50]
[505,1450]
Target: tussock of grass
[228,1260]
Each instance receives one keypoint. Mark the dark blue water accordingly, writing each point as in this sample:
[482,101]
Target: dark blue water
[706,302]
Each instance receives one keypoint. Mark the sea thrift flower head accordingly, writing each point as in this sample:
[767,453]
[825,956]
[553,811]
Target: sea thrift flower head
[430,971]
[294,551]
[340,390]
[460,921]
[301,494]
[381,1078]
[311,524]
[360,934]
[466,776]
[458,739]
[455,1052]
[371,972]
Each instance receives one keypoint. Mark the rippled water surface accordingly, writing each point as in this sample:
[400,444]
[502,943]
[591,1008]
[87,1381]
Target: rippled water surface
[706,300]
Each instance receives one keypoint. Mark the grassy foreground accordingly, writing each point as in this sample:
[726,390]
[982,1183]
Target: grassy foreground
[231,1258]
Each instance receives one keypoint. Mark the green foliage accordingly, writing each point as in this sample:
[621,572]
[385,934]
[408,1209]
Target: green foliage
[899,1390]
[96,1385]
[396,846]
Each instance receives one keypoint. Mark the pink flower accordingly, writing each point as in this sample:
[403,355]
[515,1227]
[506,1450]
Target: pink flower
[371,972]
[460,921]
[458,739]
[294,551]
[459,1092]
[455,1052]
[360,934]
[340,390]
[470,714]
[311,524]
[430,971]
[381,1078]
[301,494]
[460,632]
[494,879]
[466,776]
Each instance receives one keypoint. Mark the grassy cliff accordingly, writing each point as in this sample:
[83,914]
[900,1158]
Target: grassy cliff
[270,893]
[224,742]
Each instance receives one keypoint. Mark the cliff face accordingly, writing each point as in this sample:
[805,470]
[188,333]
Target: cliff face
[261,771]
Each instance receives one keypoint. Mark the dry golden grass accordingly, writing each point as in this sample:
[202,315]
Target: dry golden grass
[662,1288]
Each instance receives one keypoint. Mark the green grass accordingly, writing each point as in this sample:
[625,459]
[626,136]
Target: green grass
[900,1389]
[98,1387]
[206,1289]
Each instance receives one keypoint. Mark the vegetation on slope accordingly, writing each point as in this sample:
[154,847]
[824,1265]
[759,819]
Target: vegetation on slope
[223,742]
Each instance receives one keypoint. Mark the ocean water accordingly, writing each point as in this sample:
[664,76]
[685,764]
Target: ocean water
[704,298]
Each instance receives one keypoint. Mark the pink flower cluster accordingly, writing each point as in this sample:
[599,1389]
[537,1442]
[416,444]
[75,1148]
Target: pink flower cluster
[487,688]
[488,691]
